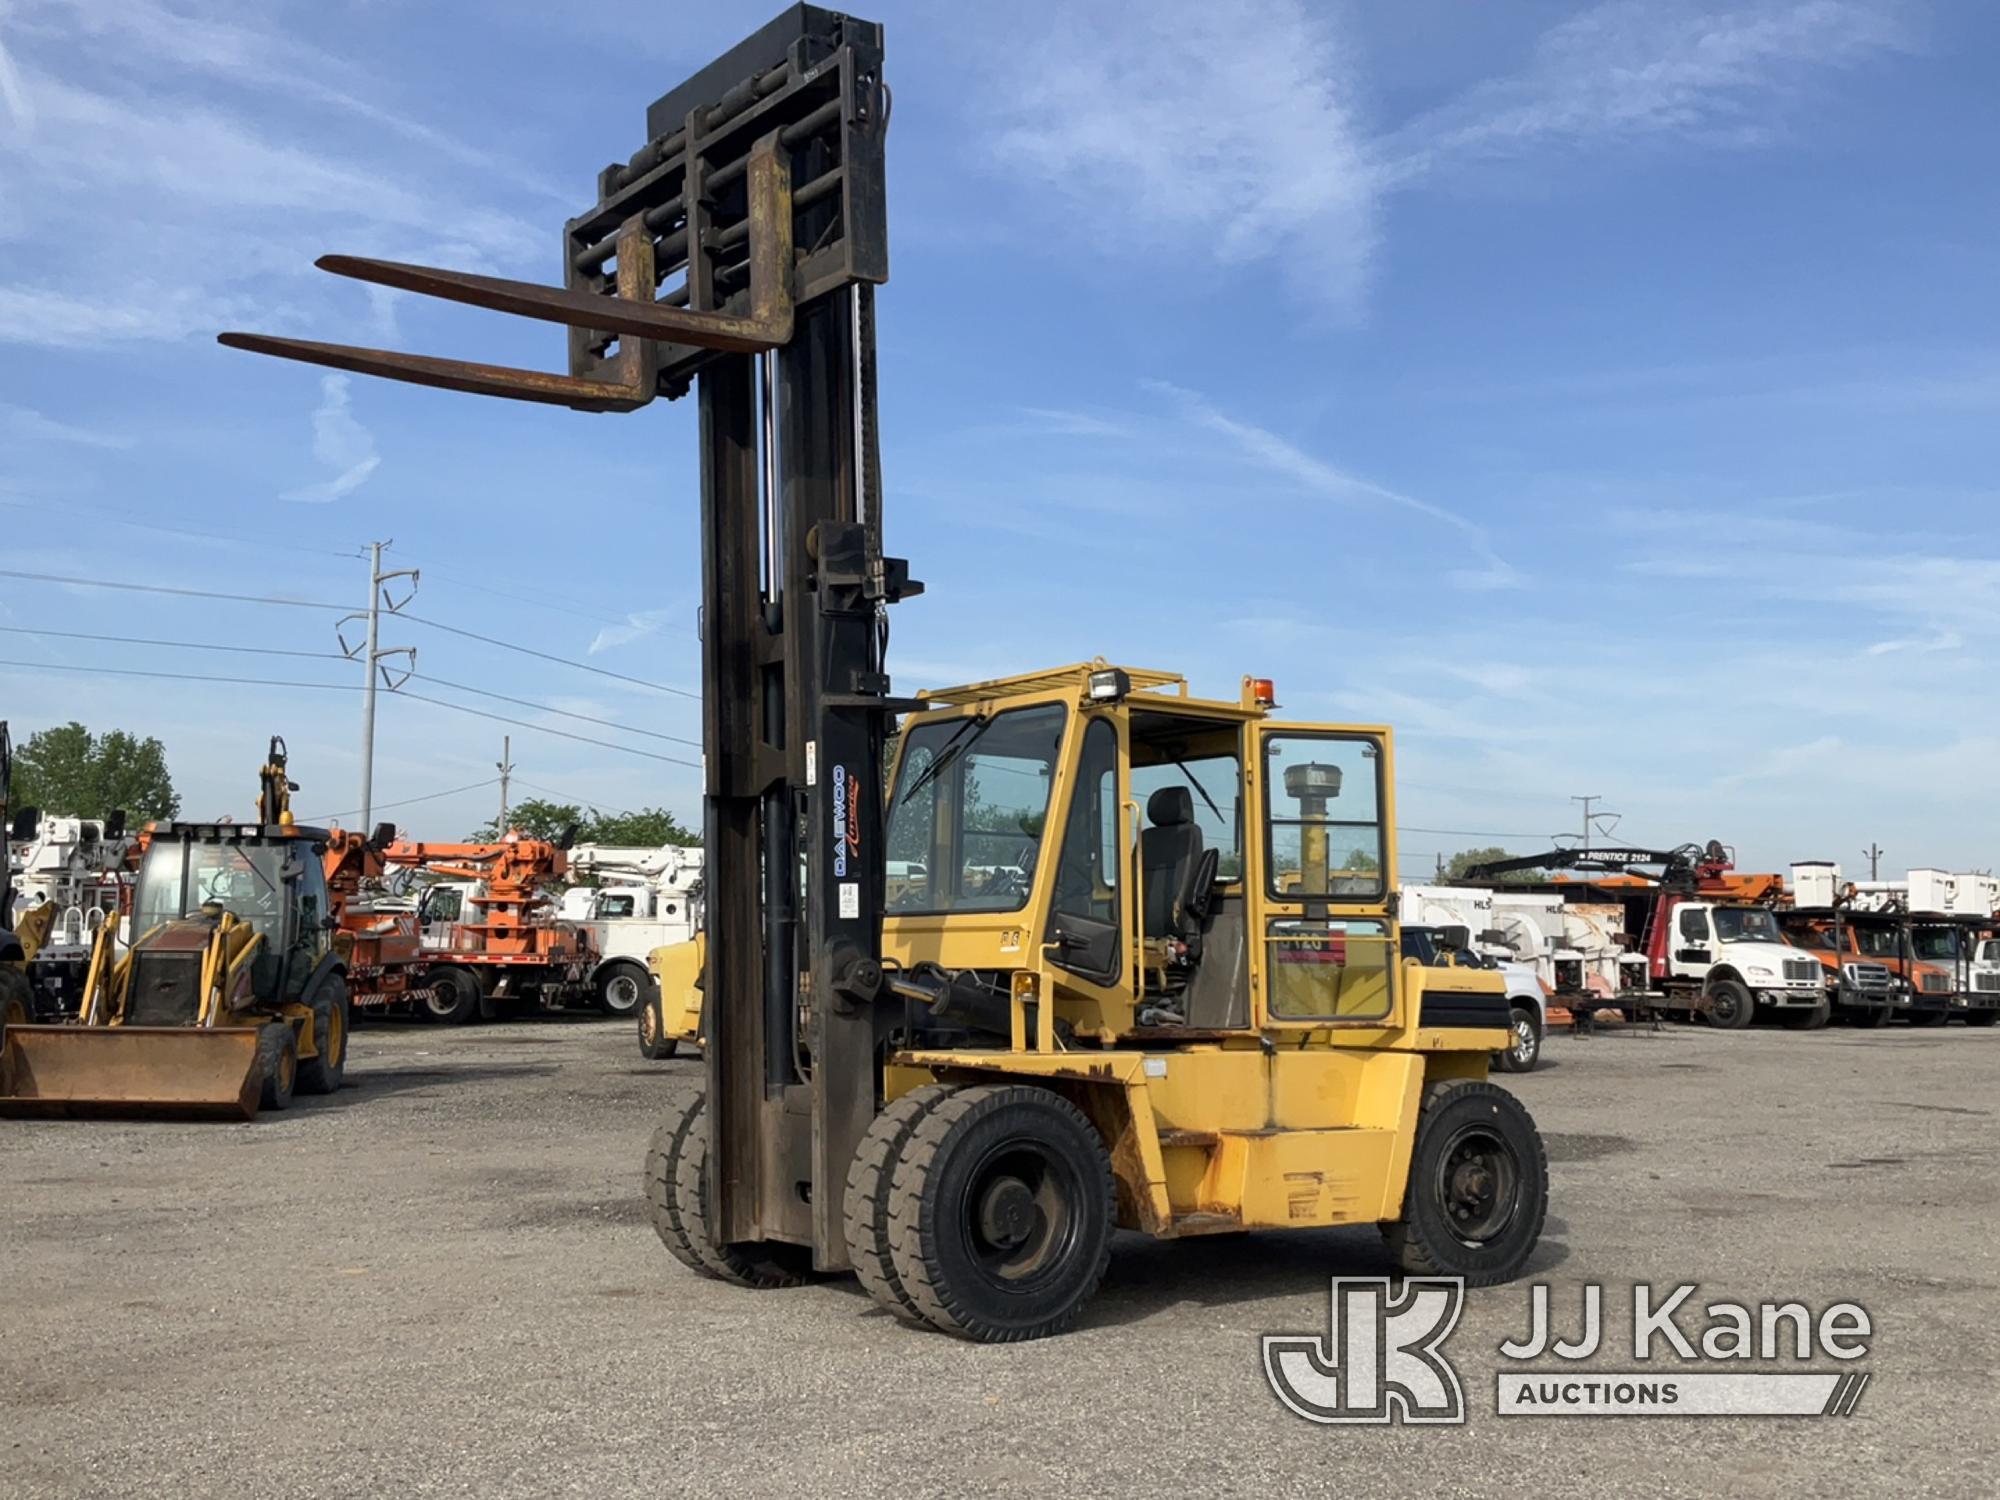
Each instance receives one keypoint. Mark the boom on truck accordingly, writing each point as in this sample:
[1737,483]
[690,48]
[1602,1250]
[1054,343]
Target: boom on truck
[511,946]
[1142,967]
[1712,944]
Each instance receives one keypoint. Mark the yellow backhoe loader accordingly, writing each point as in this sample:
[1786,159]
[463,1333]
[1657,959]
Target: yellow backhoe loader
[231,997]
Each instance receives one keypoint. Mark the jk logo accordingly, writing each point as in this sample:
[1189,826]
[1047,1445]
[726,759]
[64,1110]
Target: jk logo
[1380,1359]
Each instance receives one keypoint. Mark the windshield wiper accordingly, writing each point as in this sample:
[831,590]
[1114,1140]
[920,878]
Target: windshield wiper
[1181,766]
[947,753]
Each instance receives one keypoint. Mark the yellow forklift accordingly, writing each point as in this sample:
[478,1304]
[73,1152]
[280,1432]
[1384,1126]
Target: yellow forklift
[1136,962]
[231,996]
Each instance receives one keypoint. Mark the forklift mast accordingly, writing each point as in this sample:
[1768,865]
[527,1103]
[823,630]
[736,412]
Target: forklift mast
[736,253]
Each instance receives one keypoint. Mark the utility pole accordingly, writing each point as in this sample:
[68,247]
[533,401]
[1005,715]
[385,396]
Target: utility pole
[1586,801]
[1873,854]
[371,655]
[506,768]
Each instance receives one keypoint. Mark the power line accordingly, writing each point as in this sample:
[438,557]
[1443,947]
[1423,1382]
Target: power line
[160,588]
[139,640]
[1470,833]
[326,687]
[406,802]
[208,536]
[524,594]
[564,661]
[591,802]
[565,712]
[480,713]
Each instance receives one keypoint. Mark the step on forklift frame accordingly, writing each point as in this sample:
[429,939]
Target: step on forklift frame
[736,253]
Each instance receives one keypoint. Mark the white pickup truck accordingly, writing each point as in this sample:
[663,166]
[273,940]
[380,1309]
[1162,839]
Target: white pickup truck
[1527,1001]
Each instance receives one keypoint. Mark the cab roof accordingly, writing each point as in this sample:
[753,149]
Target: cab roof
[1144,683]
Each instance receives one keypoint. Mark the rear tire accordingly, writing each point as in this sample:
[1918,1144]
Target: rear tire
[1478,1189]
[452,999]
[1809,1020]
[278,1050]
[1524,1048]
[332,1017]
[621,989]
[677,1188]
[654,1043]
[1731,1006]
[1981,1017]
[866,1206]
[17,1000]
[1001,1213]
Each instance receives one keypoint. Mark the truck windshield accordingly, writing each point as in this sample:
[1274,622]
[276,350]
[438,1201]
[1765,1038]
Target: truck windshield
[1935,943]
[966,820]
[178,879]
[1739,924]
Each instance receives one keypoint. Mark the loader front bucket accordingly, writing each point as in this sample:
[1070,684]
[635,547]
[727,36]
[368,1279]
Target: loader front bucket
[108,1071]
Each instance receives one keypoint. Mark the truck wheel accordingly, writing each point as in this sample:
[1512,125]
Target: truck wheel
[1478,1189]
[620,989]
[1809,1020]
[1929,1017]
[677,1193]
[331,1017]
[1001,1213]
[1524,1048]
[870,1180]
[654,1043]
[278,1053]
[1981,1017]
[452,999]
[1730,1005]
[1871,1016]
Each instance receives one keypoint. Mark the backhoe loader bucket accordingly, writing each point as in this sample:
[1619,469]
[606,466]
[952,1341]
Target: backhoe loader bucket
[183,1071]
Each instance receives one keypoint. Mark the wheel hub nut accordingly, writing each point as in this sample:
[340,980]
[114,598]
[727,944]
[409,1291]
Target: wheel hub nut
[1006,1213]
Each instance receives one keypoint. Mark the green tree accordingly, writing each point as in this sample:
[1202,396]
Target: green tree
[73,773]
[539,818]
[1461,863]
[1361,860]
[536,818]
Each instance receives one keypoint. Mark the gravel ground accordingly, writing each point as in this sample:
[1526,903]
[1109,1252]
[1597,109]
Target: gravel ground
[441,1282]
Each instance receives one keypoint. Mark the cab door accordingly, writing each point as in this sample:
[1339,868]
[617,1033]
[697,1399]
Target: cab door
[1322,863]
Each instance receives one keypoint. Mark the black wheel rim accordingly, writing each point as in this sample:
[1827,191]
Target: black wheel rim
[1478,1184]
[1018,1215]
[1725,1007]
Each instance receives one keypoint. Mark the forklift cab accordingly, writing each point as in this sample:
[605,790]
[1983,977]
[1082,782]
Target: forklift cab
[1167,866]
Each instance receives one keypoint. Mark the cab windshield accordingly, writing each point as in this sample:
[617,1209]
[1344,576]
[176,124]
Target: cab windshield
[177,880]
[1936,943]
[969,809]
[1735,924]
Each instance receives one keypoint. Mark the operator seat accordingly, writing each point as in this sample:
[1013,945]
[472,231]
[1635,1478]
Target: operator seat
[1170,860]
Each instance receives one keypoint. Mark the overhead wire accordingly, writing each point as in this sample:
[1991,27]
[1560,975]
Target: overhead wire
[161,588]
[568,713]
[585,739]
[405,802]
[121,519]
[581,666]
[140,640]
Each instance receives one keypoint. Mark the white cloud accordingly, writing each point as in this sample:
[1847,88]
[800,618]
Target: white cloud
[19,108]
[1642,68]
[637,626]
[1228,131]
[339,442]
[22,422]
[157,148]
[1237,134]
[1269,451]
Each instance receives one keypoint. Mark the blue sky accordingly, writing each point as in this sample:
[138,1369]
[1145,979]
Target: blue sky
[1605,395]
